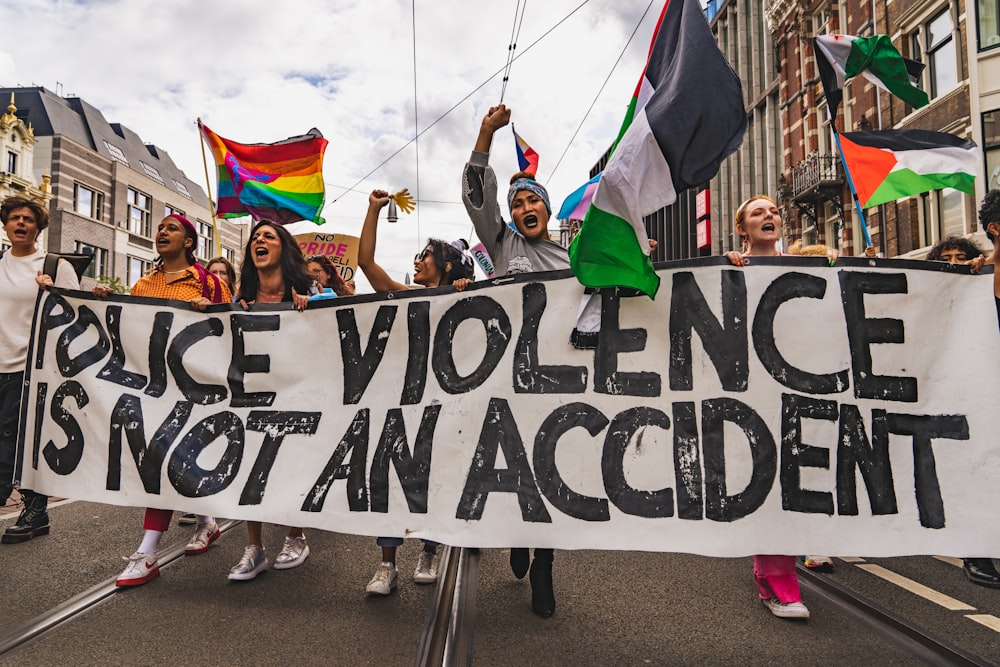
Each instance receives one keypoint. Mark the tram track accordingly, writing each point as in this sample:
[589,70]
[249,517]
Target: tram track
[447,638]
[19,636]
[887,625]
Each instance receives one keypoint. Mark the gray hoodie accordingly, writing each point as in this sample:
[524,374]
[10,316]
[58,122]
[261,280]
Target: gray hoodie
[510,252]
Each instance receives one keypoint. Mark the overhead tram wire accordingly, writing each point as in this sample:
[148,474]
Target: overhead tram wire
[515,33]
[416,124]
[603,85]
[457,104]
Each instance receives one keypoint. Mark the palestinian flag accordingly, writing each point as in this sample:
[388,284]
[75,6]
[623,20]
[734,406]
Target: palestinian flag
[841,57]
[892,164]
[686,116]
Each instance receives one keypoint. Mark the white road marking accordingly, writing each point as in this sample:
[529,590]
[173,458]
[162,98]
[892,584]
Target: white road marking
[916,588]
[989,620]
[957,562]
[851,559]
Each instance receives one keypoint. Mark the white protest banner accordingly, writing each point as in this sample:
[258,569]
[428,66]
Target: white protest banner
[784,407]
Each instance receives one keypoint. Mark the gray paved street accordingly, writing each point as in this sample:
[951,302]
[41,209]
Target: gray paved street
[614,608]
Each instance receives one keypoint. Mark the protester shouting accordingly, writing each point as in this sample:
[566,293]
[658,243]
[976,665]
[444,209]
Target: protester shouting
[20,278]
[439,263]
[175,275]
[273,271]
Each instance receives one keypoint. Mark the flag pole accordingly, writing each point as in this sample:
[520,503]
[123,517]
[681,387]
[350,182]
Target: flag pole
[208,188]
[854,192]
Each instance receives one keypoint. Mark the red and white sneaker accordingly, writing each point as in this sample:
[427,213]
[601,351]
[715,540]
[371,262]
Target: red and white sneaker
[202,539]
[140,569]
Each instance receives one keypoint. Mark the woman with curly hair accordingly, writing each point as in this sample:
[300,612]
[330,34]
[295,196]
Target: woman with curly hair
[327,276]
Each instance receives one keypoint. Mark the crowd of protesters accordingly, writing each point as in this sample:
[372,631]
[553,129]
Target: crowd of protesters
[274,270]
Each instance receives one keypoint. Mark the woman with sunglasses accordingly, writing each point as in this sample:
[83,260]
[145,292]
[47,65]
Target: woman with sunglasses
[326,275]
[439,263]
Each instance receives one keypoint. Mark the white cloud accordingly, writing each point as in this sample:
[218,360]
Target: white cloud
[259,71]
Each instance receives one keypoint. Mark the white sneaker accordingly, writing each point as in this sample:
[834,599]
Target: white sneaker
[384,579]
[253,563]
[293,554]
[204,536]
[140,569]
[786,609]
[427,568]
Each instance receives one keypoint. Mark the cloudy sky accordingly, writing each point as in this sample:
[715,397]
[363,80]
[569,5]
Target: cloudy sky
[369,74]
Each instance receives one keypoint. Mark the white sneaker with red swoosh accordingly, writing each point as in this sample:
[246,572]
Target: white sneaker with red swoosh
[140,569]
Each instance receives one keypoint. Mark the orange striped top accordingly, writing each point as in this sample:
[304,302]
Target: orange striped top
[184,286]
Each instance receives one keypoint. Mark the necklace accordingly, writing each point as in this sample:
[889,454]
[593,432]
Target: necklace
[179,271]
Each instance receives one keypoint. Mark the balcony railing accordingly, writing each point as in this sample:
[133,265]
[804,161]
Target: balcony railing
[816,172]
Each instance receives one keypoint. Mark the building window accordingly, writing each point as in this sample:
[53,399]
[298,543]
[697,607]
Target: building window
[181,188]
[87,201]
[943,213]
[151,172]
[206,240]
[988,15]
[174,211]
[140,213]
[941,56]
[116,153]
[137,268]
[99,265]
[991,148]
[11,162]
[230,254]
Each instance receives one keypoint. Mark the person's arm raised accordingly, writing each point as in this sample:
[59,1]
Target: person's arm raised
[379,279]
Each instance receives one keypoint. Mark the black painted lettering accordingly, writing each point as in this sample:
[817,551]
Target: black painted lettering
[500,432]
[196,392]
[687,463]
[160,335]
[190,479]
[784,288]
[242,363]
[70,366]
[624,427]
[612,341]
[355,443]
[50,321]
[275,425]
[495,323]
[531,377]
[64,460]
[719,504]
[550,482]
[359,367]
[796,454]
[924,429]
[114,370]
[855,452]
[863,332]
[126,418]
[418,319]
[724,342]
[413,470]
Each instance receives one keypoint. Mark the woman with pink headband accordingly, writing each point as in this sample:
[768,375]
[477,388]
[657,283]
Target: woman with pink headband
[176,275]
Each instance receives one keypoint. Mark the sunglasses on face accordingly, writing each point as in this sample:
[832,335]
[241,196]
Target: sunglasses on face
[422,255]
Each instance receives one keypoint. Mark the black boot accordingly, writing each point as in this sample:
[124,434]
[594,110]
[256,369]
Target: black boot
[33,521]
[543,600]
[981,571]
[520,560]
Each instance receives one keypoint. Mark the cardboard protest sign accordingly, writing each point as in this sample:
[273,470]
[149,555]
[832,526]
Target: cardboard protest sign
[342,249]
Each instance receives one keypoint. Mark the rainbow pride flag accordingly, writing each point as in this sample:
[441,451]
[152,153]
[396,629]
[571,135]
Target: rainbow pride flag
[527,158]
[282,182]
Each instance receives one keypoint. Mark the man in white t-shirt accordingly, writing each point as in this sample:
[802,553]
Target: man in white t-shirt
[20,278]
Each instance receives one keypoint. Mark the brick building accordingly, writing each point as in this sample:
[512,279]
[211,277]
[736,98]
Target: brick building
[815,197]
